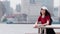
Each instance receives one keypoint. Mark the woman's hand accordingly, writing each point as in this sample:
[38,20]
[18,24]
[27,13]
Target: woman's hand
[35,25]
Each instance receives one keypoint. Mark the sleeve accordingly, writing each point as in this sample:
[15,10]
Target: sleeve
[39,18]
[48,18]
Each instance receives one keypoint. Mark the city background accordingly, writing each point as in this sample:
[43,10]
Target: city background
[27,11]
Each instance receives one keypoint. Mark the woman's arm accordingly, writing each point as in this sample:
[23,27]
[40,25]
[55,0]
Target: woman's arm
[46,23]
[36,24]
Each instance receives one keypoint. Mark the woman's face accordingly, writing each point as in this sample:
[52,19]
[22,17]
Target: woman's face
[43,11]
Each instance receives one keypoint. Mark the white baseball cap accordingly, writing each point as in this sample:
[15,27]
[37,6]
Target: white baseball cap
[44,7]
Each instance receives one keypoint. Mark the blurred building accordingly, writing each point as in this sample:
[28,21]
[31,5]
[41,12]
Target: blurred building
[5,8]
[32,8]
[29,7]
[59,9]
[18,8]
[6,3]
[2,9]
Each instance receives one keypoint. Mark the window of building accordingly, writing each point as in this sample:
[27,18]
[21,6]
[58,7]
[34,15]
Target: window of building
[32,1]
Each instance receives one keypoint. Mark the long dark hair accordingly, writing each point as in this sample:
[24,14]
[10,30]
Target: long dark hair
[47,13]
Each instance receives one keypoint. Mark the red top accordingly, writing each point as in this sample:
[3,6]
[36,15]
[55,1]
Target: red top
[43,20]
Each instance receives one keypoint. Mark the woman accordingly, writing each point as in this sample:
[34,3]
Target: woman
[45,19]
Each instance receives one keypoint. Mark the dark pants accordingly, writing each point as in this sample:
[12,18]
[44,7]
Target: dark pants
[49,31]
